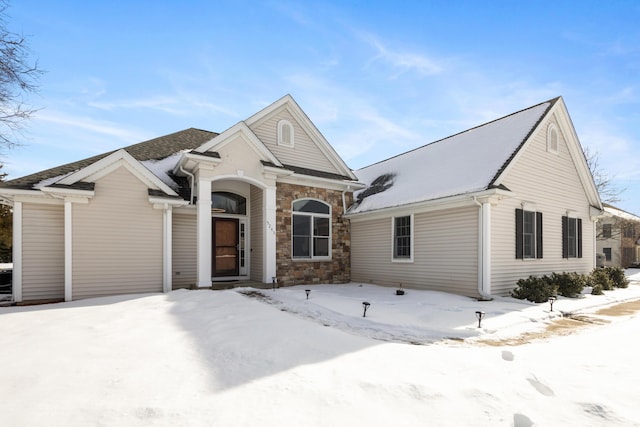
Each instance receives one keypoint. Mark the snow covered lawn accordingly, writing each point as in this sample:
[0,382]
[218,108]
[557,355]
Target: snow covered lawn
[278,359]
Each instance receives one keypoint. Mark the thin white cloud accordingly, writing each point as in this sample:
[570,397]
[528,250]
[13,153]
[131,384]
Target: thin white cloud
[400,61]
[92,125]
[183,104]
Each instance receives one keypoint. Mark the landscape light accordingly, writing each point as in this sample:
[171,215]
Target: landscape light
[274,282]
[307,291]
[551,301]
[480,316]
[365,305]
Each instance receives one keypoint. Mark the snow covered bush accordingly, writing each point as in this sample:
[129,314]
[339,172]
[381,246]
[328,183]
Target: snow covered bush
[569,284]
[535,289]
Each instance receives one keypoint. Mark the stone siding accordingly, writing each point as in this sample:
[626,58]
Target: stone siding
[297,272]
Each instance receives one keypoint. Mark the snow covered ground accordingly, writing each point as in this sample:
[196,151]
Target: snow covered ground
[274,358]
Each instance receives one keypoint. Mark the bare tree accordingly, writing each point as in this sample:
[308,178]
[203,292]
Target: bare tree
[609,193]
[18,76]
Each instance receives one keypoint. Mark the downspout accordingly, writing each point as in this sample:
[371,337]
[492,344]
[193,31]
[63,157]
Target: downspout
[344,200]
[190,175]
[484,248]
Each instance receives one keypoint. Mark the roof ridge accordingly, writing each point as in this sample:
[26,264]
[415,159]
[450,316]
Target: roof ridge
[550,101]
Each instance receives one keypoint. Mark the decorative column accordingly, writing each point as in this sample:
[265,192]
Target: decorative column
[486,247]
[17,252]
[68,250]
[167,214]
[270,244]
[204,231]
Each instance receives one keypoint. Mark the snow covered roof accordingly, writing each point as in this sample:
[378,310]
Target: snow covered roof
[463,163]
[620,213]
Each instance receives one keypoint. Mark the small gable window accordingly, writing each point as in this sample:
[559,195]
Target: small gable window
[552,139]
[285,133]
[311,229]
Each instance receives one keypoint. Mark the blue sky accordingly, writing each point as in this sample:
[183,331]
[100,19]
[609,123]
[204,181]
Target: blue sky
[377,78]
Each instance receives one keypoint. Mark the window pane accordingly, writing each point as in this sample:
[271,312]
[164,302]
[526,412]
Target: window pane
[301,225]
[528,234]
[312,206]
[230,203]
[301,247]
[571,237]
[402,238]
[320,246]
[321,226]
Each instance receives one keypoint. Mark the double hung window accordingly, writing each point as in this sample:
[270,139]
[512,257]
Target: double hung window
[311,229]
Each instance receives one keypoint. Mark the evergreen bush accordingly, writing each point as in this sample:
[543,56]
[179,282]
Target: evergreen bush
[534,289]
[569,284]
[617,277]
[600,277]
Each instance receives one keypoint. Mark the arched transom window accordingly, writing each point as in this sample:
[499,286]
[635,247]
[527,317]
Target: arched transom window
[228,203]
[311,237]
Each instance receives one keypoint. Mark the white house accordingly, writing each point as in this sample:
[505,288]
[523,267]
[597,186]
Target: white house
[270,198]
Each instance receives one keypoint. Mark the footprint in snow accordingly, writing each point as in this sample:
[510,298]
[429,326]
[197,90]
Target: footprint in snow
[507,355]
[540,387]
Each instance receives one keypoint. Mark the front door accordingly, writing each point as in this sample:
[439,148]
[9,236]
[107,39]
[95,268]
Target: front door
[225,247]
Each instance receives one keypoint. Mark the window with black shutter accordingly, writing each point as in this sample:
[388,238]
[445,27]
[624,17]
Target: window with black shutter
[528,234]
[571,237]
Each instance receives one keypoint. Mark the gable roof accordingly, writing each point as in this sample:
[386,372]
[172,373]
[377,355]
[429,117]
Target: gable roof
[153,149]
[467,162]
[287,102]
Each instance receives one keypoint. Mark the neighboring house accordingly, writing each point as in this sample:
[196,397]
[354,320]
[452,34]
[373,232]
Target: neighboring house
[475,212]
[618,238]
[263,199]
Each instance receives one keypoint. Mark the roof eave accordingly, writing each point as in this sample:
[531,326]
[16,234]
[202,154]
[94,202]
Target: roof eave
[491,195]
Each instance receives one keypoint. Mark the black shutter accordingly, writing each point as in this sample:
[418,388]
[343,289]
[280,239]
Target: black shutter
[519,232]
[538,234]
[579,236]
[565,237]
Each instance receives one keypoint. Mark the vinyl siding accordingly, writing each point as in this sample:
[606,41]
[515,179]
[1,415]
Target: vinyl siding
[551,184]
[185,250]
[117,240]
[304,153]
[256,230]
[445,252]
[42,252]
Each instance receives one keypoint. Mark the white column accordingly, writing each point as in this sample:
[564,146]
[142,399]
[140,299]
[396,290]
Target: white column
[68,251]
[204,233]
[167,230]
[269,200]
[486,248]
[17,252]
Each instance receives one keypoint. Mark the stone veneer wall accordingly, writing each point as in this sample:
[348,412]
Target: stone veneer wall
[297,272]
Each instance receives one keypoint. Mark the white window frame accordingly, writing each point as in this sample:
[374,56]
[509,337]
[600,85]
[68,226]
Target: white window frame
[281,125]
[551,131]
[313,215]
[395,258]
[534,235]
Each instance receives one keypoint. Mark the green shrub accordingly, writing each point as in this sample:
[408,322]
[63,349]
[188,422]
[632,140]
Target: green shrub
[617,277]
[569,284]
[534,289]
[596,289]
[600,277]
